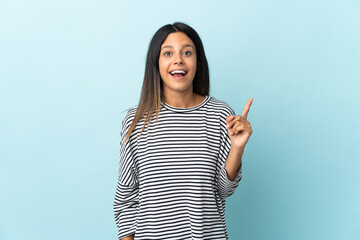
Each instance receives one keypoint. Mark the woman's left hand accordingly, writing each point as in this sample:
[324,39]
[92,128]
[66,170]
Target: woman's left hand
[239,128]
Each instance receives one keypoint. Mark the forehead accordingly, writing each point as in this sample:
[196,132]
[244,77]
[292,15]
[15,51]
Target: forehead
[177,39]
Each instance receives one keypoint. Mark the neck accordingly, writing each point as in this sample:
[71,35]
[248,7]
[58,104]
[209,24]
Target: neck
[182,100]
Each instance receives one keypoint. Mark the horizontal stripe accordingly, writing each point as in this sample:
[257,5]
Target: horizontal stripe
[172,179]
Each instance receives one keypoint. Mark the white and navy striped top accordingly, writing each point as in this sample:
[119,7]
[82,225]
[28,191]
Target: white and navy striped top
[173,182]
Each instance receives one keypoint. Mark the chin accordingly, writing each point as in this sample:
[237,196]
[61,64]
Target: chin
[177,88]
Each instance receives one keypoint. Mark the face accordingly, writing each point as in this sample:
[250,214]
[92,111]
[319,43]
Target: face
[177,53]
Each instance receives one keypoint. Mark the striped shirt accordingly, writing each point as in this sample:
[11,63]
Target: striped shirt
[172,180]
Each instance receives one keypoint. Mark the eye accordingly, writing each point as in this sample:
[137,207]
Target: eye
[189,53]
[166,53]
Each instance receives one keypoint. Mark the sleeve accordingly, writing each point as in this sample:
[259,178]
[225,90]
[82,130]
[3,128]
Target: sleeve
[126,196]
[225,187]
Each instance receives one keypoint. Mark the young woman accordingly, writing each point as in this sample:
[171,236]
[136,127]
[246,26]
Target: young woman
[176,173]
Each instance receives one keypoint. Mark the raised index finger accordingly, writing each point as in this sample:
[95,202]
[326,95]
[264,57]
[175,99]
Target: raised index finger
[247,108]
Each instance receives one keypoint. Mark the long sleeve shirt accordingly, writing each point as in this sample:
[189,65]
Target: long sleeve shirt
[172,180]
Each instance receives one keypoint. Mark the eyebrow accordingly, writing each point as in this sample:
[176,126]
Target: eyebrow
[185,45]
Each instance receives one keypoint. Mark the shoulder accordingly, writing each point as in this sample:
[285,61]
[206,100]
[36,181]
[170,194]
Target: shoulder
[221,106]
[129,117]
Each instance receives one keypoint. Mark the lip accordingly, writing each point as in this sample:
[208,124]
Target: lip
[180,69]
[177,77]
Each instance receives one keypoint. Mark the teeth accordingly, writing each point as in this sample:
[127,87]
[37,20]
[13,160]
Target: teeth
[178,71]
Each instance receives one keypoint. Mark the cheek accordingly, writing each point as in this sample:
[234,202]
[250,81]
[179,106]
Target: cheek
[194,64]
[194,67]
[162,69]
[163,64]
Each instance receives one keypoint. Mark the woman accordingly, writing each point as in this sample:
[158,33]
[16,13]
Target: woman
[176,173]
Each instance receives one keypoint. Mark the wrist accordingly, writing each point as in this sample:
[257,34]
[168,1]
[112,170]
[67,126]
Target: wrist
[237,150]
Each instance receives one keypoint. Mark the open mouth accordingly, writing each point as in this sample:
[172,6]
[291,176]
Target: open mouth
[178,73]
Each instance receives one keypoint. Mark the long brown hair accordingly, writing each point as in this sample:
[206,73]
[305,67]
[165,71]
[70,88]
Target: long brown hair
[152,88]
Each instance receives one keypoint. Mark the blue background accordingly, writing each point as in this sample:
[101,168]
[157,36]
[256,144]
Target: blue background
[70,69]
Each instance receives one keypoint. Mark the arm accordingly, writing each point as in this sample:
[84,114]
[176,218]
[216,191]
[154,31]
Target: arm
[126,196]
[125,209]
[233,162]
[229,172]
[239,130]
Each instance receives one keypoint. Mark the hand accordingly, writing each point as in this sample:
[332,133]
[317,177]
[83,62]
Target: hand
[130,237]
[239,128]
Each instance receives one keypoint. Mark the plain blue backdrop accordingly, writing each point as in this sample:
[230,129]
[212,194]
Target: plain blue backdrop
[70,69]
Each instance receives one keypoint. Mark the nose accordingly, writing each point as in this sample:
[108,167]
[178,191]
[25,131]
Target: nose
[178,59]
